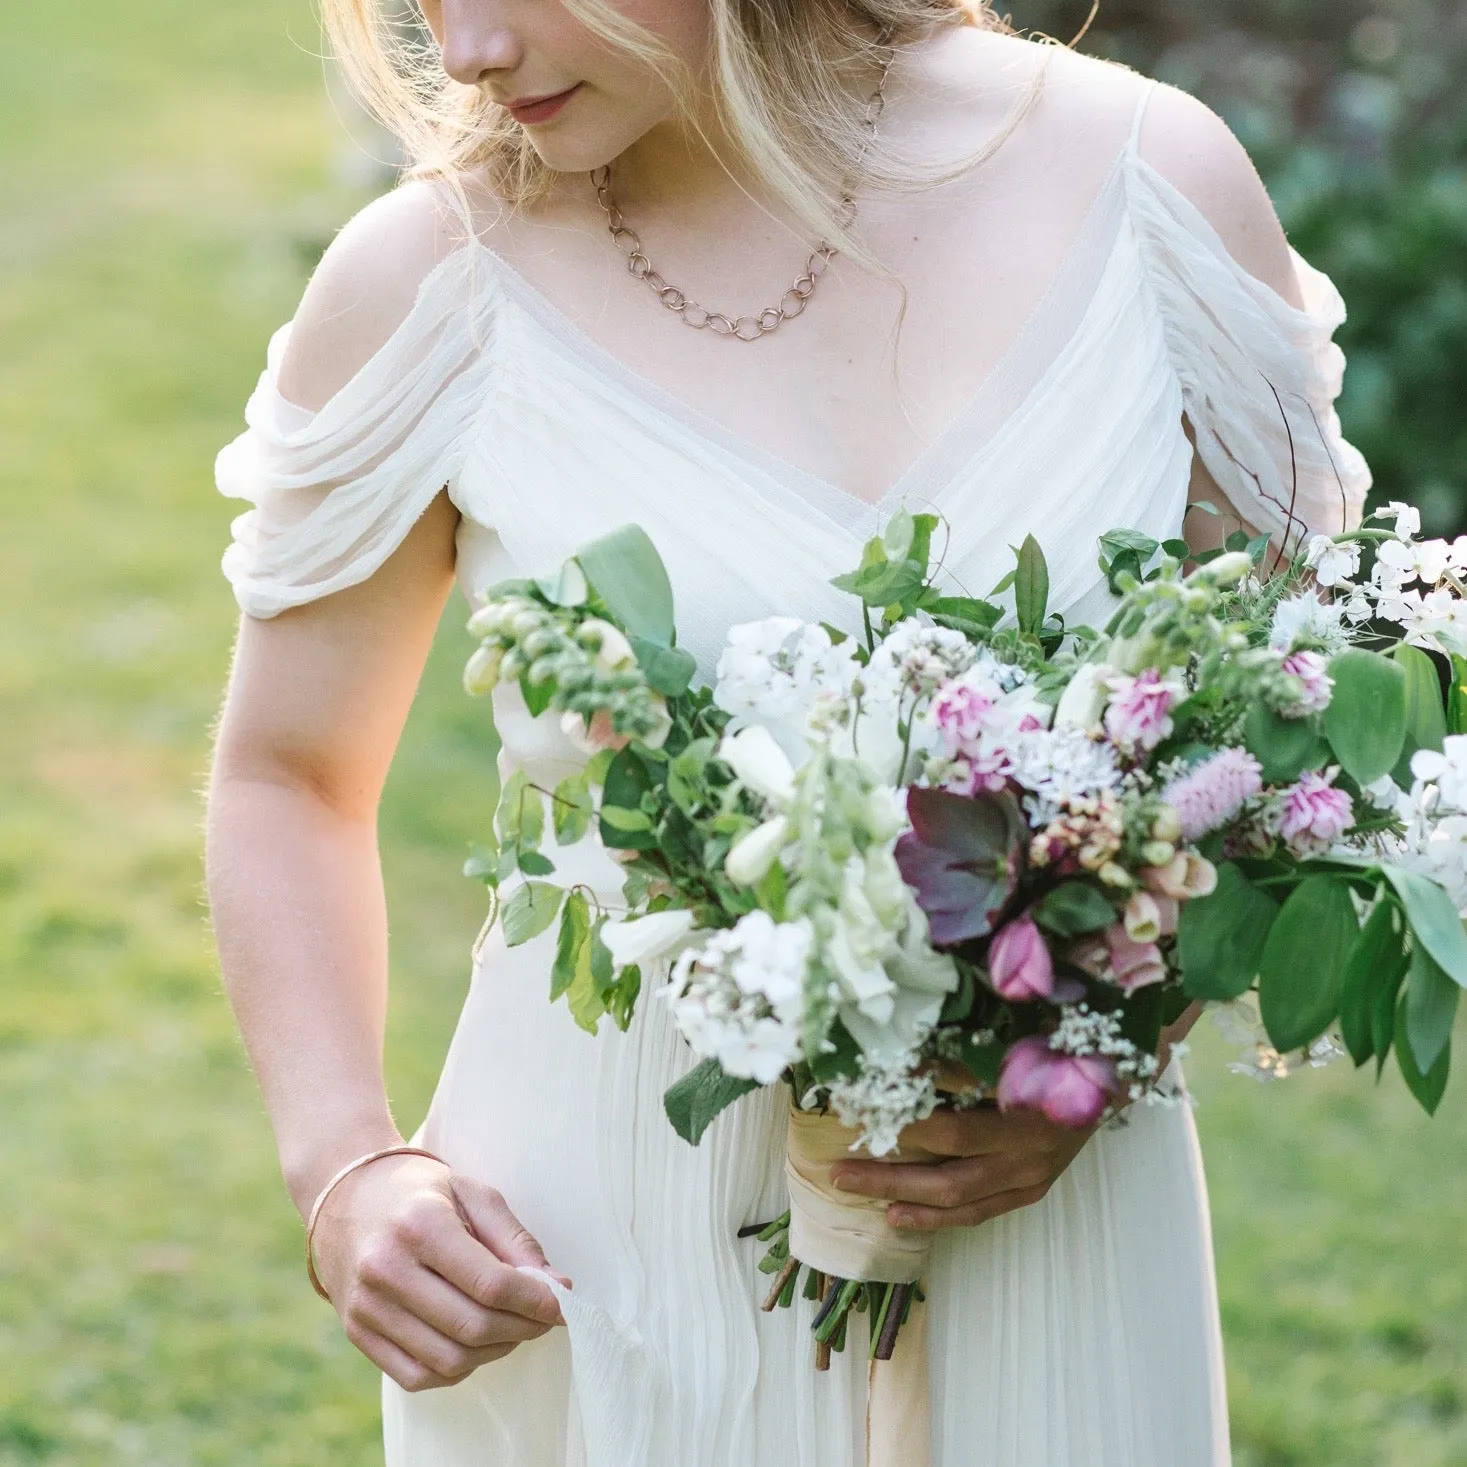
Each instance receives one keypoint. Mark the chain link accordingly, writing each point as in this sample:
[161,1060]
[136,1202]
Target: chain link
[792,302]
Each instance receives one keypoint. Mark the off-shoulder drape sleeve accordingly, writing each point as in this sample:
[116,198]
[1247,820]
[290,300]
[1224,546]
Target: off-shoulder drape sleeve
[1259,377]
[336,491]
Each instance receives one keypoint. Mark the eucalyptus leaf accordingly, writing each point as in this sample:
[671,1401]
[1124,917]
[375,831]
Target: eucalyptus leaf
[669,670]
[695,1102]
[529,910]
[1431,1008]
[1303,961]
[1365,722]
[1220,937]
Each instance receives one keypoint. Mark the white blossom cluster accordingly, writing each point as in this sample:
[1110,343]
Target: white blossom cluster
[1084,1031]
[914,659]
[1058,765]
[1434,814]
[880,1101]
[1305,619]
[738,998]
[784,673]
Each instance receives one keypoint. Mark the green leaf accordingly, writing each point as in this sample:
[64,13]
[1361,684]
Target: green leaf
[1177,549]
[520,819]
[482,865]
[1284,747]
[571,808]
[625,821]
[628,575]
[1430,1087]
[537,696]
[983,614]
[1426,719]
[1377,960]
[1433,918]
[1073,909]
[1115,541]
[1431,1008]
[1031,586]
[1220,937]
[695,1101]
[530,909]
[1457,697]
[1366,718]
[567,587]
[1303,962]
[575,931]
[532,863]
[1383,1013]
[585,997]
[669,670]
[897,537]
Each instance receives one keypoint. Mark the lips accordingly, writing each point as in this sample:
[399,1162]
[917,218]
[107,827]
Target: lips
[529,110]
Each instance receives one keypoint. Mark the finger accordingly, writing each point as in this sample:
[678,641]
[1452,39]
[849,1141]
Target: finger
[443,1242]
[956,1183]
[393,1361]
[931,1219]
[979,1132]
[445,1358]
[455,1314]
[488,1214]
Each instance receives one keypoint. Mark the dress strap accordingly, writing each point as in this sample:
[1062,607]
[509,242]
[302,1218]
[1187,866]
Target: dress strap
[1140,117]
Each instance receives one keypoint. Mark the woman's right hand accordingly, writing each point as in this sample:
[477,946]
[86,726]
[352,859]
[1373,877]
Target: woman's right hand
[423,1265]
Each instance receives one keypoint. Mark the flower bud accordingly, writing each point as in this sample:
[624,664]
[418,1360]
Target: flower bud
[1019,964]
[752,854]
[486,620]
[613,651]
[529,620]
[1167,826]
[1158,852]
[1225,570]
[1114,874]
[1142,917]
[481,673]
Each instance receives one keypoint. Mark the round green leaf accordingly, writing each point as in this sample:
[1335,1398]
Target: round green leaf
[1431,1007]
[530,910]
[1284,747]
[1300,972]
[1433,919]
[1220,937]
[1366,718]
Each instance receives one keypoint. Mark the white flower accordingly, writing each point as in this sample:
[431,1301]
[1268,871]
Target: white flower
[751,856]
[758,762]
[1406,516]
[1085,697]
[882,1100]
[1058,765]
[613,651]
[1306,618]
[1447,770]
[914,658]
[645,939]
[1332,563]
[739,998]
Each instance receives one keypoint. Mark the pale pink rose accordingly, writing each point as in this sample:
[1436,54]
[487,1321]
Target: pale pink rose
[1071,1090]
[1133,964]
[1315,683]
[1313,814]
[1019,964]
[1139,715]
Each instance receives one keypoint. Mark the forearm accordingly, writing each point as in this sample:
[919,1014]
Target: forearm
[295,891]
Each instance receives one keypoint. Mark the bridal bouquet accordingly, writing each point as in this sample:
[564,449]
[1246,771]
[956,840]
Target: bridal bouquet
[976,856]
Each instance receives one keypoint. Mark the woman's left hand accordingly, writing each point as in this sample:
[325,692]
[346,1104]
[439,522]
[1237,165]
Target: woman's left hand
[990,1162]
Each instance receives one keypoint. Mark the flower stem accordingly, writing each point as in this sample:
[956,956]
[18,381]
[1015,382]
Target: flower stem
[783,1280]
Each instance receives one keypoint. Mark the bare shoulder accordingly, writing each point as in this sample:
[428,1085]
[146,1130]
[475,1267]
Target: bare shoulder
[1195,151]
[364,287]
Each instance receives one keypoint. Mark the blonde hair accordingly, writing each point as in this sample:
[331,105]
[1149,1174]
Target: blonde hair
[781,74]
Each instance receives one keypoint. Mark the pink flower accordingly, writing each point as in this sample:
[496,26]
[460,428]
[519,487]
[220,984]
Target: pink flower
[1133,964]
[1312,814]
[1091,955]
[1212,793]
[959,709]
[979,770]
[1148,916]
[1019,964]
[1072,1090]
[1312,671]
[1185,877]
[1139,714]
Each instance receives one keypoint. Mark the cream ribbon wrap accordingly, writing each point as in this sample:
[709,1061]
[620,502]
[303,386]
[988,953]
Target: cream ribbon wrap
[848,1236]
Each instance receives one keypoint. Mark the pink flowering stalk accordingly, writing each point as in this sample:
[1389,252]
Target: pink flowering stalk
[1072,1090]
[1313,814]
[1317,685]
[1139,715]
[1019,964]
[1212,793]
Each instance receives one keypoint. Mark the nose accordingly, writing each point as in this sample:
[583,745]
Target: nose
[476,45]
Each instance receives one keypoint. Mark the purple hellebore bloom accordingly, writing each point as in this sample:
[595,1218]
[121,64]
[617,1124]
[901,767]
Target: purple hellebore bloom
[961,858]
[1072,1090]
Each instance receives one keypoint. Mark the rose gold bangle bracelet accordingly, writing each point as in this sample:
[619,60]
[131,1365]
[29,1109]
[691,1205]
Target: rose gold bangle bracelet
[333,1184]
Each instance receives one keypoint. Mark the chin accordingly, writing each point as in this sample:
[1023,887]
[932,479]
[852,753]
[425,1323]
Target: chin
[578,144]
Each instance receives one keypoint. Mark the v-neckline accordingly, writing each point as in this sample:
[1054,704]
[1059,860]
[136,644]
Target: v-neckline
[837,503]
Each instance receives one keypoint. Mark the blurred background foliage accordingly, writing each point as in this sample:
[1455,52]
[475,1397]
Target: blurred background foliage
[1356,114]
[169,170]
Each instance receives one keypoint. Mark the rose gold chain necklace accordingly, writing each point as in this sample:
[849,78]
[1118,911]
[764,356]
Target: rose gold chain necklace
[792,302]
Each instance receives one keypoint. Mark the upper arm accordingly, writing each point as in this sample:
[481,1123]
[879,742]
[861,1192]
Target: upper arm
[1195,151]
[318,695]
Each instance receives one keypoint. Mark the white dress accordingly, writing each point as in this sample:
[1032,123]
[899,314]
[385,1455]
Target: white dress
[1081,1332]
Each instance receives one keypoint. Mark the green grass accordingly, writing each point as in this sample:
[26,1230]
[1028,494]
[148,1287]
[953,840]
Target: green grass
[167,180]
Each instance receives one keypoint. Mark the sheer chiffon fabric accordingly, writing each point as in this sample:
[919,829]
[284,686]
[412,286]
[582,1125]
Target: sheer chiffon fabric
[1081,1332]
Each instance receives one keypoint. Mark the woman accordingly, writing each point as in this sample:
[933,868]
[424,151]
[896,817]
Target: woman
[1049,281]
